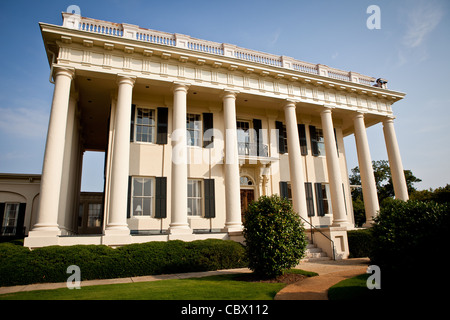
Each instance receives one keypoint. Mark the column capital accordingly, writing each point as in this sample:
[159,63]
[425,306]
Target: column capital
[290,103]
[327,108]
[64,71]
[358,114]
[180,86]
[229,94]
[388,119]
[126,79]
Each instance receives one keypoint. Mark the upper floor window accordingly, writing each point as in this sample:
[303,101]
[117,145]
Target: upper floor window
[145,125]
[320,142]
[194,129]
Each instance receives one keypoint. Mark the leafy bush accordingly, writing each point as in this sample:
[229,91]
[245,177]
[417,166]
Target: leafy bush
[406,236]
[275,236]
[19,265]
[360,243]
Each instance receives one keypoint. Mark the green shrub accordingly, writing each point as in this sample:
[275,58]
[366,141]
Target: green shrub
[407,234]
[360,243]
[19,265]
[275,236]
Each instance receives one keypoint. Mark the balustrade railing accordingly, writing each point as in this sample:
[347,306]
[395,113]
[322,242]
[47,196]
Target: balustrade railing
[163,38]
[253,149]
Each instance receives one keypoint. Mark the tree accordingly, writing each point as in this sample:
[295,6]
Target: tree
[385,187]
[274,236]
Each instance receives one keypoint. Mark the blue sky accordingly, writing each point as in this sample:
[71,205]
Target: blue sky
[411,50]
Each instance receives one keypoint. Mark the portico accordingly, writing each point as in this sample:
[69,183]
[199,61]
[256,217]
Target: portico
[153,105]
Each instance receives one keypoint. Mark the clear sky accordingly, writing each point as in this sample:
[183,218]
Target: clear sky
[411,50]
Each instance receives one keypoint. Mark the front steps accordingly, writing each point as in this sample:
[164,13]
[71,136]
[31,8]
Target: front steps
[313,253]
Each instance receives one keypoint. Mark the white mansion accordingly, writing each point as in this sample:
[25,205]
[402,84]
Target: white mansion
[194,130]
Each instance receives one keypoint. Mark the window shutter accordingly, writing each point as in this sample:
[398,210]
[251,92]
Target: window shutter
[208,124]
[319,199]
[302,138]
[210,199]
[257,126]
[21,219]
[161,126]
[130,179]
[161,198]
[283,189]
[2,212]
[279,127]
[309,199]
[314,146]
[133,115]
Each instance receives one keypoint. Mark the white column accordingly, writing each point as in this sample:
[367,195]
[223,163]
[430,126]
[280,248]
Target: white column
[295,161]
[232,186]
[117,219]
[47,217]
[395,161]
[179,221]
[369,187]
[334,170]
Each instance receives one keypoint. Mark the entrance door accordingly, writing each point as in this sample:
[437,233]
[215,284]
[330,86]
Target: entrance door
[247,196]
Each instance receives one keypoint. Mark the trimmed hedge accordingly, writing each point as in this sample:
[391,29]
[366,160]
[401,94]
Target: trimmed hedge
[360,243]
[19,265]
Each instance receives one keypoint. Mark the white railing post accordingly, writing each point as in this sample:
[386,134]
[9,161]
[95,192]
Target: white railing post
[71,20]
[129,30]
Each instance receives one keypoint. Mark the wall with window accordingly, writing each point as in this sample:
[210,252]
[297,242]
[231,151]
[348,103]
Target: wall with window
[19,196]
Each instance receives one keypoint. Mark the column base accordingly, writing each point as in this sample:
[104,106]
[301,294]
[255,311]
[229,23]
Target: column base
[368,224]
[233,227]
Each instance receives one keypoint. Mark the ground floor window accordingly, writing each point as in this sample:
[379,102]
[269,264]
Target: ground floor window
[10,217]
[143,192]
[323,198]
[194,198]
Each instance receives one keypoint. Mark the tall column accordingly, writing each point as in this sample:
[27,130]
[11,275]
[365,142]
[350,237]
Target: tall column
[117,219]
[179,221]
[395,161]
[334,170]
[369,187]
[233,220]
[47,217]
[295,161]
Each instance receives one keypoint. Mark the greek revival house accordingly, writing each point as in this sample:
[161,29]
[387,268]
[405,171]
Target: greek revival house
[193,131]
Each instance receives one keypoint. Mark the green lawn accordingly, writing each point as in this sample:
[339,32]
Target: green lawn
[222,287]
[353,289]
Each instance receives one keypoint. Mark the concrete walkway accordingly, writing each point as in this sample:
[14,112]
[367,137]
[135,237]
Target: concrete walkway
[314,288]
[330,272]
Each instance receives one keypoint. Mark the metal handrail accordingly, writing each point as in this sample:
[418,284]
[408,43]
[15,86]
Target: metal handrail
[332,242]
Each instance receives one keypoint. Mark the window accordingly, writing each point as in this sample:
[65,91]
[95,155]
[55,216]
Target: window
[145,125]
[194,128]
[323,198]
[143,197]
[194,198]
[282,137]
[94,215]
[10,216]
[320,142]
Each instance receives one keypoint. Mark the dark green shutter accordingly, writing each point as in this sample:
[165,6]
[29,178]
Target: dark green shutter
[283,189]
[210,199]
[162,126]
[130,179]
[279,127]
[309,199]
[21,219]
[161,198]
[302,138]
[133,115]
[257,126]
[319,199]
[2,212]
[208,124]
[313,136]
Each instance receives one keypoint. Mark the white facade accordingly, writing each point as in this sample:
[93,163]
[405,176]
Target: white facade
[152,101]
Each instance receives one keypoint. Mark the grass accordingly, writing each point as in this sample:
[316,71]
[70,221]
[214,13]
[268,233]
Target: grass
[353,289]
[221,287]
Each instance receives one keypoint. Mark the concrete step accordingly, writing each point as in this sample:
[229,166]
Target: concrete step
[313,253]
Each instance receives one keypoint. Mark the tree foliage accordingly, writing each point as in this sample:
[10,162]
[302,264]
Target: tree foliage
[275,236]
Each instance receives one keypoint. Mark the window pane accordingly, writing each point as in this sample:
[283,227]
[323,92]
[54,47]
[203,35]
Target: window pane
[147,187]
[147,206]
[137,187]
[137,206]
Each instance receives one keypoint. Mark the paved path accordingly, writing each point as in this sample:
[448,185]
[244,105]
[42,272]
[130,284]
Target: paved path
[330,272]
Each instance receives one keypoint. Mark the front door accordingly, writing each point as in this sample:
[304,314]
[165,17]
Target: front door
[247,196]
